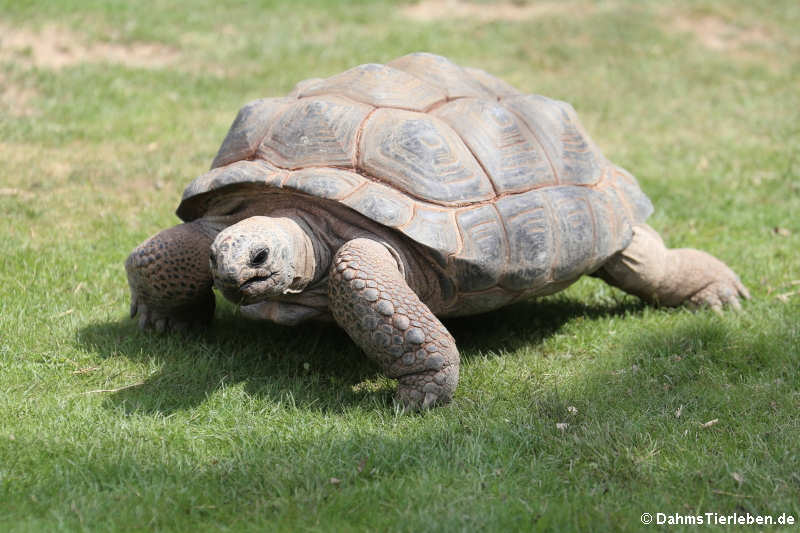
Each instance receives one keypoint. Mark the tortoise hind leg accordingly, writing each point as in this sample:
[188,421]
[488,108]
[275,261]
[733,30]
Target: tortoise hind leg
[370,300]
[657,274]
[170,278]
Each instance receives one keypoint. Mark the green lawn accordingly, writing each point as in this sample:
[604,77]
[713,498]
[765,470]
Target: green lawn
[108,109]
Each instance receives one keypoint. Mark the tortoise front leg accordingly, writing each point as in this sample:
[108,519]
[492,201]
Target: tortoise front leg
[170,278]
[370,299]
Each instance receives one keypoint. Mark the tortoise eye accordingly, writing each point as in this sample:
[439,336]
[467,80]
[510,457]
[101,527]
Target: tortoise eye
[259,257]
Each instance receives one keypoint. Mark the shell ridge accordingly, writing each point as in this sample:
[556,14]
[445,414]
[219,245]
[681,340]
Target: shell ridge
[259,152]
[593,218]
[458,81]
[538,140]
[477,160]
[414,209]
[507,260]
[575,140]
[495,85]
[459,234]
[443,102]
[548,209]
[419,78]
[601,187]
[356,190]
[358,140]
[378,85]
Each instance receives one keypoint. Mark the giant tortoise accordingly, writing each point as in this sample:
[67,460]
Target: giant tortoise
[389,195]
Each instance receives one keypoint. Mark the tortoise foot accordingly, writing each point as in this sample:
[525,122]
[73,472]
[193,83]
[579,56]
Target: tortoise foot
[664,276]
[170,280]
[724,288]
[427,389]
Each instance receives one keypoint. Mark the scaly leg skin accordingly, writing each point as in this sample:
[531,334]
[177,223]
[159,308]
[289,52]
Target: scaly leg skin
[370,300]
[657,274]
[170,279]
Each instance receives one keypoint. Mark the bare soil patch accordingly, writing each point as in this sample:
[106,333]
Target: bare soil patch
[55,47]
[716,34]
[431,10]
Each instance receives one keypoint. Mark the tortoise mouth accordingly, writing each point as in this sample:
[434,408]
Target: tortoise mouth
[253,286]
[250,291]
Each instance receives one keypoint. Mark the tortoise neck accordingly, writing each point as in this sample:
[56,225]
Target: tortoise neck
[318,252]
[314,255]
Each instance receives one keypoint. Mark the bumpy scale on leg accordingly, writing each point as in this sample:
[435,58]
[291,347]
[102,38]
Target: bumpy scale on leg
[660,275]
[170,279]
[372,302]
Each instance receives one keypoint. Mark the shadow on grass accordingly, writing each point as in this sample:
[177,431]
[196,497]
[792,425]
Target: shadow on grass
[606,450]
[315,366]
[527,323]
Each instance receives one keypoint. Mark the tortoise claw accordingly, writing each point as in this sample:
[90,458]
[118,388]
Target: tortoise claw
[429,401]
[144,322]
[720,294]
[163,321]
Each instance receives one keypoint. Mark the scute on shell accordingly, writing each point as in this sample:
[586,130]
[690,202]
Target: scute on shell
[248,130]
[499,139]
[377,85]
[317,131]
[438,71]
[419,154]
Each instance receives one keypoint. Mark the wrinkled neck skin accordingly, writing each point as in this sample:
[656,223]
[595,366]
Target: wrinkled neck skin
[328,234]
[305,264]
[328,231]
[326,226]
[312,265]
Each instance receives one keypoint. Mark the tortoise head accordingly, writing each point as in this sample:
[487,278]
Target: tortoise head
[260,258]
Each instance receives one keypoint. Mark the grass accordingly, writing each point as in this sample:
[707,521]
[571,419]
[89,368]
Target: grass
[255,427]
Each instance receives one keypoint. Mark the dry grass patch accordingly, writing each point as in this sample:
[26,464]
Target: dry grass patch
[434,10]
[52,164]
[15,99]
[715,33]
[100,170]
[54,47]
[70,188]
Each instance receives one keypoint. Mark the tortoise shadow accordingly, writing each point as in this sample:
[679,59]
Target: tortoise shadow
[528,323]
[607,401]
[310,366]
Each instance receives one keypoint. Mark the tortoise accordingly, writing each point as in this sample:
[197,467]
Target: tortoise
[388,196]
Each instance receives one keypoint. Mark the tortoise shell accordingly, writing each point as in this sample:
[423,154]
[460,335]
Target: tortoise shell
[506,189]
